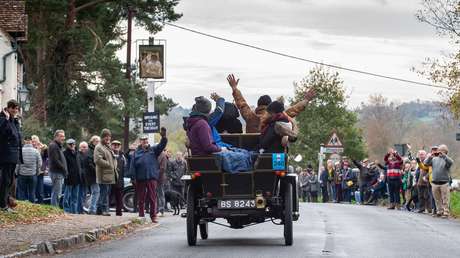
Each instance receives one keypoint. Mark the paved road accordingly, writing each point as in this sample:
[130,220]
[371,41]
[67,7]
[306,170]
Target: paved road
[332,230]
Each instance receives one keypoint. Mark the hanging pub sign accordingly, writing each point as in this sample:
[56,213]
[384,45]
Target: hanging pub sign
[151,122]
[152,62]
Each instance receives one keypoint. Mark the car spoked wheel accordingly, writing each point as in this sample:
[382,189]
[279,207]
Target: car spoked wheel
[288,234]
[204,231]
[191,218]
[128,201]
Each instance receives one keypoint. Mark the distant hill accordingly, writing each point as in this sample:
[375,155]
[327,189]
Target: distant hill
[173,121]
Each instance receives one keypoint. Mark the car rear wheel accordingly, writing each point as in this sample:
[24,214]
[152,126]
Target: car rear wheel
[204,231]
[288,234]
[191,218]
[128,200]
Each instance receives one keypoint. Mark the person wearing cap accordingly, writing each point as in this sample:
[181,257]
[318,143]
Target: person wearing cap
[57,166]
[423,183]
[145,171]
[348,181]
[28,172]
[73,179]
[117,189]
[198,130]
[258,118]
[106,171]
[441,164]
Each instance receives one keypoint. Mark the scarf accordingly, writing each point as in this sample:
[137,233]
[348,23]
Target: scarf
[275,118]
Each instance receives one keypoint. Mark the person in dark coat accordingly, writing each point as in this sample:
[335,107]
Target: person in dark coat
[83,160]
[270,138]
[116,191]
[146,171]
[57,166]
[229,122]
[90,175]
[324,179]
[73,180]
[10,150]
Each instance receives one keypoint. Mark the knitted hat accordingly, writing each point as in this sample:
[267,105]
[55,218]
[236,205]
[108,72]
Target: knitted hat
[105,133]
[275,107]
[264,100]
[202,105]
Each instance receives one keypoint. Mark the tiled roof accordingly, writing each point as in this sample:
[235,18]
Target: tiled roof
[13,18]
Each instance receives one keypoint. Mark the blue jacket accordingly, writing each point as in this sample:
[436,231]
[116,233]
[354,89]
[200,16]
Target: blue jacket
[214,119]
[144,163]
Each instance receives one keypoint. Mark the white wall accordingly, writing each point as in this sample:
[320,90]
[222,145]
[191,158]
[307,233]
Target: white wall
[8,89]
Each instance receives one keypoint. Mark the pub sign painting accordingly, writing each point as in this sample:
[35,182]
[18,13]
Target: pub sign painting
[152,61]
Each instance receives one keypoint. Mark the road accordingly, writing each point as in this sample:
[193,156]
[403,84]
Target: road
[331,230]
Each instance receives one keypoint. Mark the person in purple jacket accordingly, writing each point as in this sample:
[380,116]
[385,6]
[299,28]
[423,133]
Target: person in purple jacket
[198,129]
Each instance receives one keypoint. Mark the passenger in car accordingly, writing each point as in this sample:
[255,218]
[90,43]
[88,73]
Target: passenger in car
[258,118]
[198,130]
[279,125]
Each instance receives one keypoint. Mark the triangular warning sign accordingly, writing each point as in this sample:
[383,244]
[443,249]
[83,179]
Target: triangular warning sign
[334,141]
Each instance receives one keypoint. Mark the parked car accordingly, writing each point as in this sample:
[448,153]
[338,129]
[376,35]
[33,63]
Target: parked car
[128,195]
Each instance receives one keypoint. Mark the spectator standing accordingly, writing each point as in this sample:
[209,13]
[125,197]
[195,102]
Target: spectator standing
[347,182]
[407,184]
[423,184]
[314,184]
[117,189]
[393,162]
[28,171]
[90,175]
[178,167]
[324,182]
[304,185]
[106,171]
[83,161]
[43,150]
[10,150]
[337,182]
[73,180]
[57,166]
[441,164]
[162,183]
[145,170]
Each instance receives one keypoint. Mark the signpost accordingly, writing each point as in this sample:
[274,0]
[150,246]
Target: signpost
[151,122]
[334,146]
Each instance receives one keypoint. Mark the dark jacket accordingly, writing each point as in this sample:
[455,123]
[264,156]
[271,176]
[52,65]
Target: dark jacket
[56,159]
[83,160]
[176,170]
[121,168]
[10,140]
[90,173]
[229,121]
[144,163]
[73,167]
[270,141]
[199,135]
[324,177]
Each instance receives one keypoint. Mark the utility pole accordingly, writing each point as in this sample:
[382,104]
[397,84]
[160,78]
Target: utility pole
[128,76]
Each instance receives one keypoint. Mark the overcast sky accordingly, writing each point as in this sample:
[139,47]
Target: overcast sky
[381,36]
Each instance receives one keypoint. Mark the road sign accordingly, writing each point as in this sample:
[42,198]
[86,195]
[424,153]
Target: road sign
[333,150]
[334,141]
[151,122]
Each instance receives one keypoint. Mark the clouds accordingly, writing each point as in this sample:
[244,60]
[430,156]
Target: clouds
[380,36]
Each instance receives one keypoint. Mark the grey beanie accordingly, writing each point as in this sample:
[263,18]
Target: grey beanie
[202,105]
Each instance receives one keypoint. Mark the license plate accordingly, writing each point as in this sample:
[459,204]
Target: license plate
[236,204]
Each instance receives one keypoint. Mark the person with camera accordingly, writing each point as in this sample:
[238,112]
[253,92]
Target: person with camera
[441,164]
[394,162]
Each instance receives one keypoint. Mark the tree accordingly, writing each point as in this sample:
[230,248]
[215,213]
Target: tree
[71,57]
[444,16]
[325,113]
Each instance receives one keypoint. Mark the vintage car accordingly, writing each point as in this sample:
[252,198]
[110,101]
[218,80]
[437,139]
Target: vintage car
[268,193]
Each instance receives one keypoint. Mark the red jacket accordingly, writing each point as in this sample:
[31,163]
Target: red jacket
[393,166]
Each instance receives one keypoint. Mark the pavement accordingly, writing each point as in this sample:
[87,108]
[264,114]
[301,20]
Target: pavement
[330,230]
[21,237]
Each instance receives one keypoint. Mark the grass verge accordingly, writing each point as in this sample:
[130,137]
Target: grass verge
[28,213]
[455,204]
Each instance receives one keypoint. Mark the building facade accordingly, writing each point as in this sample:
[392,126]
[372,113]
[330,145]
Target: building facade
[13,33]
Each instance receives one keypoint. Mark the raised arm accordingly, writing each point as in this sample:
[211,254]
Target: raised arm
[246,112]
[158,149]
[215,116]
[300,106]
